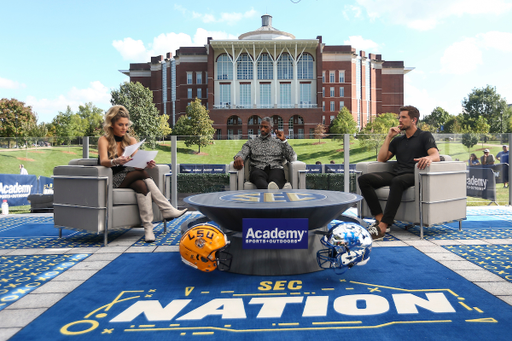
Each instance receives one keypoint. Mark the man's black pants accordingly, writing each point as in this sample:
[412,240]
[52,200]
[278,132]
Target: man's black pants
[397,185]
[262,177]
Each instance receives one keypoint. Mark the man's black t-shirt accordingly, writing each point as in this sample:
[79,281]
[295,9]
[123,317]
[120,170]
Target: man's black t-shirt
[408,149]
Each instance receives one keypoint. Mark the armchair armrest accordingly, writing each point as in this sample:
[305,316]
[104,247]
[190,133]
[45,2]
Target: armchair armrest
[374,166]
[295,168]
[236,177]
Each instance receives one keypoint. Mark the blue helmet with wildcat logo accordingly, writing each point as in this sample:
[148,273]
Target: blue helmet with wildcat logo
[348,244]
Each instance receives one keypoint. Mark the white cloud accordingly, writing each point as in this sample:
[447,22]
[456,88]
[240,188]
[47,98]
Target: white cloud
[461,57]
[47,109]
[465,56]
[136,51]
[362,44]
[425,15]
[351,11]
[226,18]
[10,84]
[131,49]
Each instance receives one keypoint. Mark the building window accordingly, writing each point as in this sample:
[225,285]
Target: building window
[323,76]
[224,67]
[245,95]
[323,106]
[305,67]
[254,120]
[225,94]
[230,134]
[279,122]
[189,93]
[305,95]
[331,76]
[341,75]
[323,92]
[290,127]
[331,119]
[199,77]
[301,133]
[342,104]
[323,119]
[265,96]
[234,120]
[206,93]
[219,134]
[250,132]
[199,93]
[331,92]
[285,95]
[265,67]
[285,67]
[189,77]
[206,77]
[342,91]
[244,67]
[332,106]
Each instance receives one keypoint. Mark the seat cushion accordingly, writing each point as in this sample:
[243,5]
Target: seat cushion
[383,193]
[124,196]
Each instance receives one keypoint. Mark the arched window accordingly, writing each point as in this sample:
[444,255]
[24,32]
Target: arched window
[305,67]
[224,67]
[279,121]
[254,120]
[285,67]
[234,121]
[244,67]
[265,67]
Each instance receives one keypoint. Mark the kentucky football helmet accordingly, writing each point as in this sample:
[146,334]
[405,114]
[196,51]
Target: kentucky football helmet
[202,247]
[348,244]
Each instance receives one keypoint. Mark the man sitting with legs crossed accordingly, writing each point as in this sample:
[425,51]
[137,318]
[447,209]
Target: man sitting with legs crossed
[415,148]
[266,157]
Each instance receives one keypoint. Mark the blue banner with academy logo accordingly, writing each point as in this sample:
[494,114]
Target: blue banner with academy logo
[481,183]
[275,233]
[16,188]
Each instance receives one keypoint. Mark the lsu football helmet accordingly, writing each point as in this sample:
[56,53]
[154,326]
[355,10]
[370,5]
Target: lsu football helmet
[202,247]
[348,244]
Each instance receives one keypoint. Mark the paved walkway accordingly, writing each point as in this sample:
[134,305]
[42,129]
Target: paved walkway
[19,314]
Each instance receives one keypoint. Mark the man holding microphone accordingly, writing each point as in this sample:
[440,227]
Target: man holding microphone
[415,148]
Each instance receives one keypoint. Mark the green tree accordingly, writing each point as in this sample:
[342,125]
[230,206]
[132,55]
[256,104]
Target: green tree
[67,126]
[455,125]
[143,112]
[373,135]
[164,127]
[343,124]
[486,102]
[195,125]
[437,119]
[92,119]
[469,140]
[15,117]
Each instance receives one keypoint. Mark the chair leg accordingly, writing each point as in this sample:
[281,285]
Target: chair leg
[421,231]
[460,225]
[60,232]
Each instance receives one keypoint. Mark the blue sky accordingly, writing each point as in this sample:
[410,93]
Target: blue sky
[59,53]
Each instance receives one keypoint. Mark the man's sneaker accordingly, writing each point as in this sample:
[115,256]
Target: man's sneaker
[272,185]
[388,229]
[375,232]
[287,186]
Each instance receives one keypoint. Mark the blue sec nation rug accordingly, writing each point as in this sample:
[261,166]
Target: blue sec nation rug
[400,293]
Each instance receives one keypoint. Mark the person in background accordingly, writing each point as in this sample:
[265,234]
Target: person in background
[318,163]
[473,160]
[503,158]
[266,154]
[487,158]
[23,171]
[110,149]
[332,162]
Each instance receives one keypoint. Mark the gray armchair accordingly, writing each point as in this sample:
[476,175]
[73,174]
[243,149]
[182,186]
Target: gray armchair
[84,198]
[438,196]
[294,172]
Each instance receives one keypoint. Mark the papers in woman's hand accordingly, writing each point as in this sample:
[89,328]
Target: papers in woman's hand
[141,159]
[129,150]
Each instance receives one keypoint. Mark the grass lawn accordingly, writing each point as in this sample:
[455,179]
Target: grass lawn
[41,161]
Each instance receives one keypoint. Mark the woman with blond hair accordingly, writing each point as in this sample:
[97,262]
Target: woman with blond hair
[110,148]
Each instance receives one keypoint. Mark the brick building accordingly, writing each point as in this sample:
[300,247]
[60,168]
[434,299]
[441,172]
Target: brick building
[267,72]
